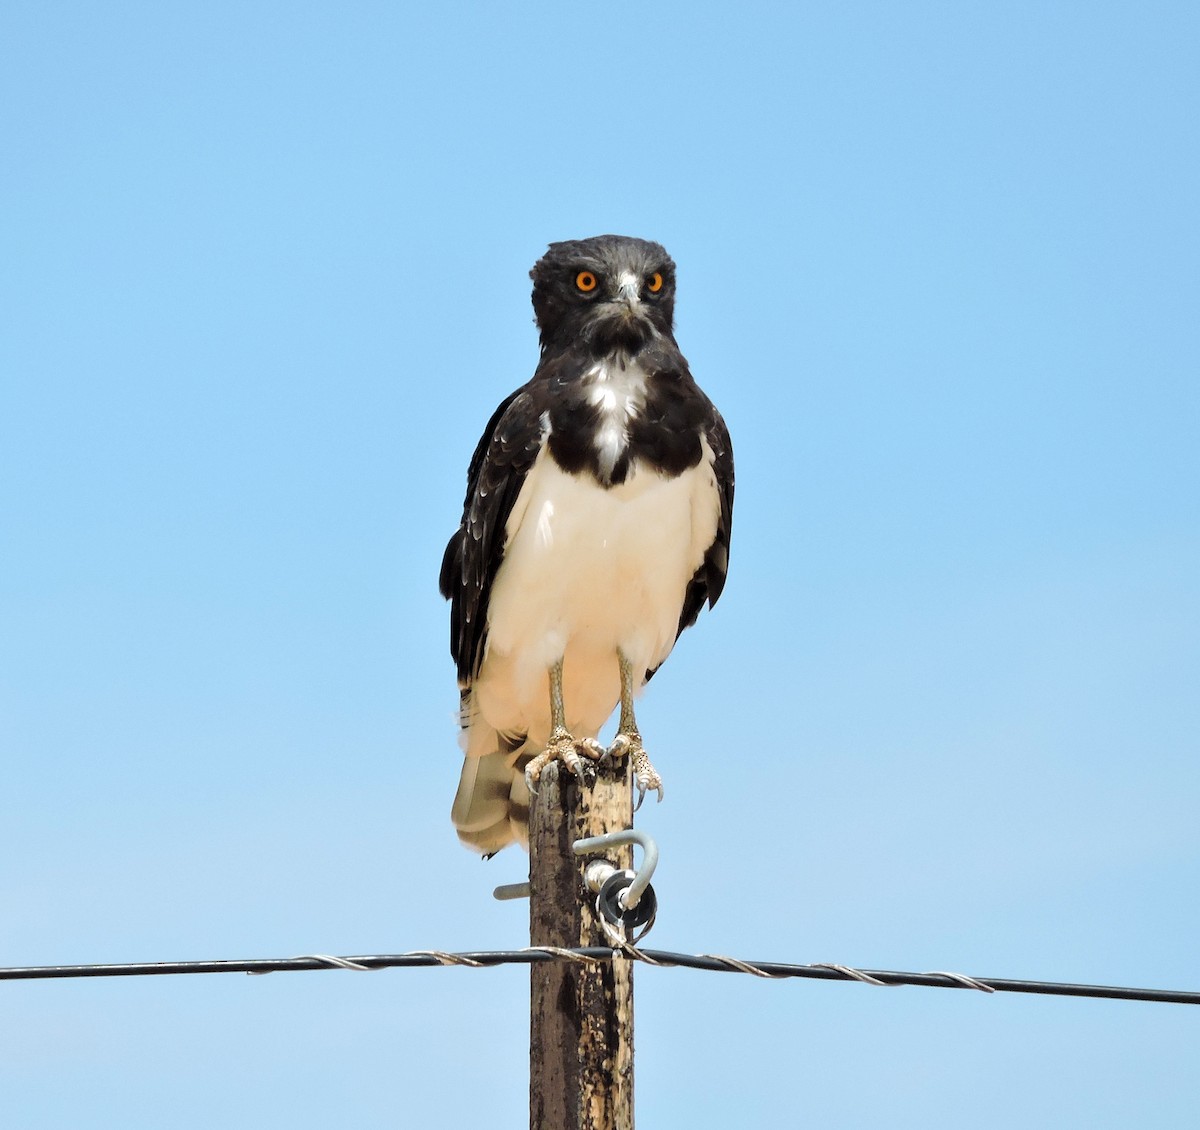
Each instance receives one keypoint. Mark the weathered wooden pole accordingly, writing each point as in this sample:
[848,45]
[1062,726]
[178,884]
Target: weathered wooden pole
[581,1015]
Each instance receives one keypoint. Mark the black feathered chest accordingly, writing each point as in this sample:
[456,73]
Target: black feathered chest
[605,415]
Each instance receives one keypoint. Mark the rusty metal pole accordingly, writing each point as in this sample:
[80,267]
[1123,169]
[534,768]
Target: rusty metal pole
[581,1016]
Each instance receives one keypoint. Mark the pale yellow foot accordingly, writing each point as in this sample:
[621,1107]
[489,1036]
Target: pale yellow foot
[645,776]
[569,750]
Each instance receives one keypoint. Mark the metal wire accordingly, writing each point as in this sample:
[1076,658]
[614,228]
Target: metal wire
[532,954]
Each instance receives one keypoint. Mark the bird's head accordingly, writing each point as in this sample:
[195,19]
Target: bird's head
[607,293]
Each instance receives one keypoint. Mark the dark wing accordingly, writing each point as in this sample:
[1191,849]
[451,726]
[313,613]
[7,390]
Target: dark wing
[503,456]
[709,579]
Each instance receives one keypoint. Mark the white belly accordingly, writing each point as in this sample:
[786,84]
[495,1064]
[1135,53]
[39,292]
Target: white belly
[588,571]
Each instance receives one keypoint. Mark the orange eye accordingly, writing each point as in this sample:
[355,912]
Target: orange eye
[586,281]
[654,283]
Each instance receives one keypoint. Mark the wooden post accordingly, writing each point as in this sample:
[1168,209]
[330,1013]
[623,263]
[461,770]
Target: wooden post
[581,1016]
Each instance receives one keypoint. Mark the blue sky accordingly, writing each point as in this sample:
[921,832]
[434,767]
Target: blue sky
[264,277]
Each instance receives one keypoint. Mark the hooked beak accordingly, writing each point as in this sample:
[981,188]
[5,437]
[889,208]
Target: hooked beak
[629,292]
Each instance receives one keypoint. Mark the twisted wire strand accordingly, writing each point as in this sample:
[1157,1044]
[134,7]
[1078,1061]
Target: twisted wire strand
[826,971]
[853,974]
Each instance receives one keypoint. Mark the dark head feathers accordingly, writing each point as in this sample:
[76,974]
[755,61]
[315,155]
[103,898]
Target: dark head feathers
[612,314]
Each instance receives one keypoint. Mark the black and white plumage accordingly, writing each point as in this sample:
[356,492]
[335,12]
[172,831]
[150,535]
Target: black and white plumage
[596,525]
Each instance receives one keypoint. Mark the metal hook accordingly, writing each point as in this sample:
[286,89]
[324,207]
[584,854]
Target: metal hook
[633,894]
[630,897]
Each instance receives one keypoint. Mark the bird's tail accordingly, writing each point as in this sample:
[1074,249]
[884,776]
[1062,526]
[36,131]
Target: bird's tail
[491,807]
